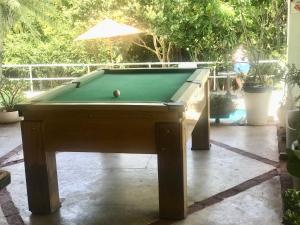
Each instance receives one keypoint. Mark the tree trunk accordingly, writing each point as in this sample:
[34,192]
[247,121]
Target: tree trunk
[161,47]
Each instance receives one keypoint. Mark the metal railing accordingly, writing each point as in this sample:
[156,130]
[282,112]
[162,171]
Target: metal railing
[31,76]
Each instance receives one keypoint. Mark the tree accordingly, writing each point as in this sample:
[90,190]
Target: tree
[152,16]
[204,28]
[263,27]
[210,30]
[13,12]
[142,14]
[199,30]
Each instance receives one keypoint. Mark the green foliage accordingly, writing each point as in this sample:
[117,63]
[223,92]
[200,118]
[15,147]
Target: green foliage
[11,93]
[22,11]
[53,44]
[263,34]
[292,77]
[18,13]
[270,17]
[293,165]
[204,30]
[291,203]
[291,218]
[221,106]
[266,74]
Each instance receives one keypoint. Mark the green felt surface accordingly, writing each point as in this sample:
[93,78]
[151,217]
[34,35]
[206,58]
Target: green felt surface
[137,87]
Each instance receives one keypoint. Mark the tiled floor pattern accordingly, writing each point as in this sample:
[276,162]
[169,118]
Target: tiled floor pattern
[233,183]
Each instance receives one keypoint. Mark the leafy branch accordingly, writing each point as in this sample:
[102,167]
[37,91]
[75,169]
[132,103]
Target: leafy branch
[161,47]
[258,41]
[11,93]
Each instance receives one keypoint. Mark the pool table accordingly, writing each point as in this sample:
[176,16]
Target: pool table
[155,113]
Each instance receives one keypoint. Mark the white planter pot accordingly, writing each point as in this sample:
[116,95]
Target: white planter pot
[9,117]
[257,106]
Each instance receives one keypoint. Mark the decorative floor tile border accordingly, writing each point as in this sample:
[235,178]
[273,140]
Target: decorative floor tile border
[232,191]
[245,153]
[197,206]
[9,209]
[11,153]
[13,217]
[10,163]
[285,180]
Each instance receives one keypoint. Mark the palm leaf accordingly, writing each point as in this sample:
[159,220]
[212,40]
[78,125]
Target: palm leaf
[21,12]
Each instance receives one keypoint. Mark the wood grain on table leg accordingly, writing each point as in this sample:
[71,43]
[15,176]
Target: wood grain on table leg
[40,168]
[171,170]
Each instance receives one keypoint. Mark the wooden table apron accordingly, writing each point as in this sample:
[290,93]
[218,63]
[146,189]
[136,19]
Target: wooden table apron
[145,129]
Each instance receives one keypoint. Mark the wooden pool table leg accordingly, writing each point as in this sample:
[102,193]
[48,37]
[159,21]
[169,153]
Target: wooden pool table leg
[40,169]
[171,170]
[201,132]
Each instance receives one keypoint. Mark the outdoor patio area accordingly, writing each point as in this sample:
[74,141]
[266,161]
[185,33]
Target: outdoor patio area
[235,182]
[149,112]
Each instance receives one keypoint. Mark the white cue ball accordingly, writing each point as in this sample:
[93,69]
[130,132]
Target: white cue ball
[117,93]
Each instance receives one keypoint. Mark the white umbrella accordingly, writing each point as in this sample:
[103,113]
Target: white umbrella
[109,29]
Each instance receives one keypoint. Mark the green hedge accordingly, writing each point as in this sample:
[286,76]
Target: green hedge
[291,201]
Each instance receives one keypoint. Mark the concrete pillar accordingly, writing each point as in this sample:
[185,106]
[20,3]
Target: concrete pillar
[293,36]
[293,52]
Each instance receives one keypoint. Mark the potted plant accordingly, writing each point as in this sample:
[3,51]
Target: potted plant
[291,207]
[292,81]
[293,165]
[260,45]
[11,93]
[258,88]
[220,106]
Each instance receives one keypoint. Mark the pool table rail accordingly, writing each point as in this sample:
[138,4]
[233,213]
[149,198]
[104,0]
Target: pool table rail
[46,96]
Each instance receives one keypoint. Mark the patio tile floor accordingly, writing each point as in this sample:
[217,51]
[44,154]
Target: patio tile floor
[118,189]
